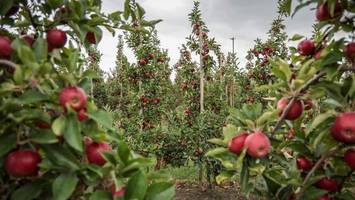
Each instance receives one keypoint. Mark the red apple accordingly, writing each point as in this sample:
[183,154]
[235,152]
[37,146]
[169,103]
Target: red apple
[304,164]
[56,38]
[81,115]
[323,14]
[117,192]
[22,163]
[349,158]
[90,37]
[151,56]
[142,61]
[42,125]
[306,47]
[257,144]
[94,152]
[343,128]
[324,197]
[236,144]
[29,39]
[308,104]
[5,47]
[294,112]
[350,51]
[328,184]
[13,10]
[74,96]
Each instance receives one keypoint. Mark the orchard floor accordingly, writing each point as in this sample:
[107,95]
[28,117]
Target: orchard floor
[191,191]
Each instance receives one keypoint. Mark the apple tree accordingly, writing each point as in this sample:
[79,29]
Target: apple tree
[316,159]
[55,143]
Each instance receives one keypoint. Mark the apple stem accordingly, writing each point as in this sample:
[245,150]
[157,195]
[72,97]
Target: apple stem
[315,167]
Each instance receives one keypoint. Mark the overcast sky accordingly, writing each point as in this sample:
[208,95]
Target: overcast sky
[244,19]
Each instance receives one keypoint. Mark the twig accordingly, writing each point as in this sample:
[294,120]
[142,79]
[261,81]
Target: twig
[8,63]
[315,167]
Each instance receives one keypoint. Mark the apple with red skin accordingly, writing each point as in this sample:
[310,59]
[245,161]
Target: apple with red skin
[328,184]
[90,37]
[306,47]
[142,61]
[42,125]
[294,112]
[81,114]
[343,128]
[13,10]
[151,56]
[94,151]
[323,14]
[350,51]
[324,197]
[308,104]
[22,163]
[29,39]
[236,144]
[117,192]
[56,38]
[257,144]
[349,158]
[74,96]
[5,47]
[304,163]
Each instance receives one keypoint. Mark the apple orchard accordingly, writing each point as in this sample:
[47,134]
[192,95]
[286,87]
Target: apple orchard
[282,127]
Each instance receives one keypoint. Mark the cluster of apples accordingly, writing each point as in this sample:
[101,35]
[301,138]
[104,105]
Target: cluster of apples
[257,144]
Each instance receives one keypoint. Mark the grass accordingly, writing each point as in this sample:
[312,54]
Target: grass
[185,173]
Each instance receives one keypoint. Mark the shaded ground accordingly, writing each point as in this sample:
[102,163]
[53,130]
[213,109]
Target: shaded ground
[190,191]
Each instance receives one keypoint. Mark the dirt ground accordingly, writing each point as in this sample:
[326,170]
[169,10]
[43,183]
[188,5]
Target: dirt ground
[190,191]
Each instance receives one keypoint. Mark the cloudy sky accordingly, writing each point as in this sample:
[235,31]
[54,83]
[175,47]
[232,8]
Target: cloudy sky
[244,19]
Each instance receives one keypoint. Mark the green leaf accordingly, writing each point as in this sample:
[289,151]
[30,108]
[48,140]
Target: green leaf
[296,37]
[44,137]
[160,191]
[217,141]
[137,186]
[40,49]
[61,156]
[7,143]
[216,151]
[123,151]
[29,191]
[72,132]
[58,125]
[31,96]
[102,117]
[312,193]
[5,6]
[267,117]
[127,10]
[229,132]
[101,195]
[64,186]
[319,120]
[244,176]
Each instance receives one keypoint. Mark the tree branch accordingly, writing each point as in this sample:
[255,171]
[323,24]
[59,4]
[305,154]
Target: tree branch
[8,63]
[315,167]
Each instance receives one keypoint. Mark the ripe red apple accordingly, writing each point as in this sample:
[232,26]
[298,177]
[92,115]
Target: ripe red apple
[308,104]
[13,10]
[29,39]
[304,163]
[94,152]
[324,197]
[151,56]
[349,158]
[81,115]
[236,144]
[5,47]
[343,128]
[142,61]
[257,144]
[306,47]
[350,51]
[90,37]
[328,184]
[323,14]
[295,111]
[56,38]
[42,125]
[117,192]
[22,163]
[73,96]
